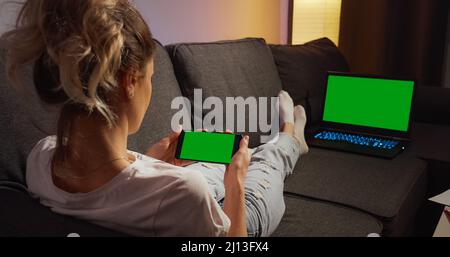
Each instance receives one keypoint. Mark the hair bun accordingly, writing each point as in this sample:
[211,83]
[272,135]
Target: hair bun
[77,47]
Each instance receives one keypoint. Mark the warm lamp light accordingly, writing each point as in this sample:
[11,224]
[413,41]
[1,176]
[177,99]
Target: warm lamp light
[312,19]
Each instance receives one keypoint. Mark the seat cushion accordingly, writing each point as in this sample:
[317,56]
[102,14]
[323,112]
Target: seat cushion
[25,120]
[381,187]
[303,72]
[20,215]
[311,218]
[227,69]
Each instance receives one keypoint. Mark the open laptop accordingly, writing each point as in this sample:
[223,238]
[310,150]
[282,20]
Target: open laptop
[363,114]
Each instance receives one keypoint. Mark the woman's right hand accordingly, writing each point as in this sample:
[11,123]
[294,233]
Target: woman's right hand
[234,182]
[236,172]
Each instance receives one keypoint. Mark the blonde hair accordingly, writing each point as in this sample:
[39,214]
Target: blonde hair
[78,47]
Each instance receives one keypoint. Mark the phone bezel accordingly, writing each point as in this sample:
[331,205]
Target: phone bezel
[237,141]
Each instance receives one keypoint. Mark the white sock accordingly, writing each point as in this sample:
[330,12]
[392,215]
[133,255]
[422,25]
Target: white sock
[299,128]
[286,108]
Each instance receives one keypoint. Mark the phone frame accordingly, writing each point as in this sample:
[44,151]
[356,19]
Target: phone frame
[237,141]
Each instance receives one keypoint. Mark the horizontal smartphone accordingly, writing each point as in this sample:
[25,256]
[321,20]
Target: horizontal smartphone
[211,147]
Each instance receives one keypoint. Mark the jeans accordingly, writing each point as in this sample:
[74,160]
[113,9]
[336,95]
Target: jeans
[269,165]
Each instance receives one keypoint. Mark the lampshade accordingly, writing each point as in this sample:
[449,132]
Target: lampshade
[312,19]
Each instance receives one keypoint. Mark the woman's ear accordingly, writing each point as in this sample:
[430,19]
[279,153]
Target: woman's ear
[128,82]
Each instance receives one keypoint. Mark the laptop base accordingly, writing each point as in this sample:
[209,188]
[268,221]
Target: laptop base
[355,143]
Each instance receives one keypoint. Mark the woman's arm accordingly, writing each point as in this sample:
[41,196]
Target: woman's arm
[234,208]
[234,181]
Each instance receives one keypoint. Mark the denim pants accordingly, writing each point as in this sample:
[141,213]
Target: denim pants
[269,165]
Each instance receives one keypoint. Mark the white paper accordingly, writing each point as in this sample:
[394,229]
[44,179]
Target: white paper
[443,198]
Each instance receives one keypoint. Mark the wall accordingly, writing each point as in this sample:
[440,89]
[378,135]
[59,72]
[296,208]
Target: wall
[8,13]
[205,20]
[174,21]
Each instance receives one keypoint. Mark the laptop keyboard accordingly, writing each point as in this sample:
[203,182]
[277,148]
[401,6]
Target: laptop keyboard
[369,141]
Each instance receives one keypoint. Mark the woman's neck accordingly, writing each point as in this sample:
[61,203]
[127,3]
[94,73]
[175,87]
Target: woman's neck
[92,139]
[97,154]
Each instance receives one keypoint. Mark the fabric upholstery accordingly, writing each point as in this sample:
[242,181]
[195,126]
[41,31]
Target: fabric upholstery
[156,123]
[430,141]
[20,215]
[432,105]
[330,194]
[227,69]
[311,218]
[303,70]
[24,120]
[405,222]
[371,184]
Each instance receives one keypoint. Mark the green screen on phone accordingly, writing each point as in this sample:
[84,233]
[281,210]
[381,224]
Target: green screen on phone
[371,102]
[208,147]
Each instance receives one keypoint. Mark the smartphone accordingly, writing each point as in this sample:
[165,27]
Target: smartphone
[211,147]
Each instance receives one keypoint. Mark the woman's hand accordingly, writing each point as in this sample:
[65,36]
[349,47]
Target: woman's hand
[234,181]
[165,150]
[236,172]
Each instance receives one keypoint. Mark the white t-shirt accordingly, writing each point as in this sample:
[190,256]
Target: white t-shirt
[148,198]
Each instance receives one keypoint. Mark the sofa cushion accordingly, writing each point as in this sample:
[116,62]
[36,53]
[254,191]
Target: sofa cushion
[156,123]
[303,70]
[377,186]
[25,119]
[430,141]
[310,218]
[227,69]
[20,215]
[431,105]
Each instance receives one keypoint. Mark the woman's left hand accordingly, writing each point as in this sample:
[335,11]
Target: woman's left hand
[165,149]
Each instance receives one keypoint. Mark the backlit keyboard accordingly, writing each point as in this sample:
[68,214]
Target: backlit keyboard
[369,141]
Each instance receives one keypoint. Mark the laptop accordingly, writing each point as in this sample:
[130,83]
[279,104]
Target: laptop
[365,114]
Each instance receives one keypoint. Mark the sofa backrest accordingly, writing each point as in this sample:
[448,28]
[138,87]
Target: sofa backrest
[246,67]
[24,119]
[303,72]
[227,69]
[157,120]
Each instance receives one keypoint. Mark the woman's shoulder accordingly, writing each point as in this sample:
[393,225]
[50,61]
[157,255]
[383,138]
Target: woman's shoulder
[45,144]
[41,151]
[38,165]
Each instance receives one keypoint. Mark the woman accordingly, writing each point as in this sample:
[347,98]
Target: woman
[95,59]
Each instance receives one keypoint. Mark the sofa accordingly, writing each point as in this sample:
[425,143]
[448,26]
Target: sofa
[330,193]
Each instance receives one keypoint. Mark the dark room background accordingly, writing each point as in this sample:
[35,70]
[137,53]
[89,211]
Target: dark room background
[406,38]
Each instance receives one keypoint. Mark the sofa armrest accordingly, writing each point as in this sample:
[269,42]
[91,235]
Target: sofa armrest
[432,105]
[20,215]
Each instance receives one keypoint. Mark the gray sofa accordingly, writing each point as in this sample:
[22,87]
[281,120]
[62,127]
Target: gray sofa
[330,194]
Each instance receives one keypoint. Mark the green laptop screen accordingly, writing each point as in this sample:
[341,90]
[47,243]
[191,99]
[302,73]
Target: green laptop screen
[369,102]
